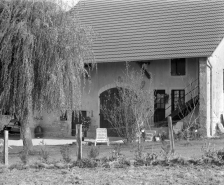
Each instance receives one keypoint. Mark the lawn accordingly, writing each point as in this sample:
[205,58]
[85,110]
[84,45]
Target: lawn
[182,148]
[171,174]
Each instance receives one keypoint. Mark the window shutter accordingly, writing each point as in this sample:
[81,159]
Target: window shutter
[181,66]
[173,67]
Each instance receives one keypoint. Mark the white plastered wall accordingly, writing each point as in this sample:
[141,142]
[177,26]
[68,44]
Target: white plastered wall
[217,102]
[104,77]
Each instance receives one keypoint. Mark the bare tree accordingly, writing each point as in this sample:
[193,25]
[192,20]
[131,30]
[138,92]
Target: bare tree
[132,107]
[189,111]
[42,55]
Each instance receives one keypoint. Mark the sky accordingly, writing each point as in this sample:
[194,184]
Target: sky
[67,4]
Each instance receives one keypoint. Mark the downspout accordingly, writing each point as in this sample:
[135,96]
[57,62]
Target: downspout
[211,101]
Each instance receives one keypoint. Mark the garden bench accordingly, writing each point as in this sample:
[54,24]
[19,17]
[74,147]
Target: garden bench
[101,136]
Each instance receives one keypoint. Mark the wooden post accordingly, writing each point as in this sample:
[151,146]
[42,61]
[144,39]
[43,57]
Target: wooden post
[79,140]
[6,136]
[170,125]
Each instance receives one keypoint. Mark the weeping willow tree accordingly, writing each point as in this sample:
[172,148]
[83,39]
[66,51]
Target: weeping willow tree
[42,56]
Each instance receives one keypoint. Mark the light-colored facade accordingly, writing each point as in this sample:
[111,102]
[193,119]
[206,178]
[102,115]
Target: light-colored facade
[104,77]
[156,32]
[212,89]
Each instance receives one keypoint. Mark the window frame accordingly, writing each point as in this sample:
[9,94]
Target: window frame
[173,97]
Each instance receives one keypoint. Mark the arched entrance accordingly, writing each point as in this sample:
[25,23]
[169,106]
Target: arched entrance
[104,101]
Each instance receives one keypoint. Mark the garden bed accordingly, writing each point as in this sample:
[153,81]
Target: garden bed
[198,162]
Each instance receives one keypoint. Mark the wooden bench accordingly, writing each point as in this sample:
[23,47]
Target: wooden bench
[101,136]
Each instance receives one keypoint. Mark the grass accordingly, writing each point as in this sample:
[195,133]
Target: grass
[193,150]
[180,172]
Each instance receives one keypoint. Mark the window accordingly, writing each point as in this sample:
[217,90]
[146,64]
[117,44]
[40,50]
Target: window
[178,67]
[159,101]
[64,116]
[159,105]
[178,98]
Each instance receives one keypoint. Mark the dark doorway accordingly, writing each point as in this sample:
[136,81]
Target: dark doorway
[77,120]
[159,105]
[113,93]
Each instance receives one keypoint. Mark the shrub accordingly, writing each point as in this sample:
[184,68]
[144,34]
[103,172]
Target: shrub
[150,158]
[93,153]
[24,157]
[65,152]
[116,151]
[1,158]
[85,163]
[211,155]
[209,150]
[139,151]
[44,154]
[220,154]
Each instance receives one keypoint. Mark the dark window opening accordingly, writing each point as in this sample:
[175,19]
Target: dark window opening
[77,118]
[178,99]
[88,65]
[159,105]
[178,67]
[64,116]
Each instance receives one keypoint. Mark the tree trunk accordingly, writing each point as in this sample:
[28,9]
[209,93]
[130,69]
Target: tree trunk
[26,133]
[127,130]
[27,109]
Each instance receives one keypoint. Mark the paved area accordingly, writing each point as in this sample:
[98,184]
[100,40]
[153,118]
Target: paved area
[46,141]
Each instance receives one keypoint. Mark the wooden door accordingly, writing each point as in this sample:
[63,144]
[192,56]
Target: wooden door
[159,105]
[108,102]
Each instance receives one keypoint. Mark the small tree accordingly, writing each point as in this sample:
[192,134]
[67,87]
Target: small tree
[189,111]
[131,108]
[42,54]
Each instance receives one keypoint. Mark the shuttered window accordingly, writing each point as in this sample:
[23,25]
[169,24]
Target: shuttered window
[178,67]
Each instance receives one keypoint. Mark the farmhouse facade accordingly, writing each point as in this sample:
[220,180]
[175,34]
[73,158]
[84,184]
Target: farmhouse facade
[179,42]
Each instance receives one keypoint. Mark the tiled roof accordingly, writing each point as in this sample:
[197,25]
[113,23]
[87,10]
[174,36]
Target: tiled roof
[153,29]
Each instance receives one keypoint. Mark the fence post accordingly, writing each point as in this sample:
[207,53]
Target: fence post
[79,140]
[6,136]
[170,125]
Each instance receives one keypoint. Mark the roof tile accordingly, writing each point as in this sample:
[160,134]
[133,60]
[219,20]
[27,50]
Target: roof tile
[150,29]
